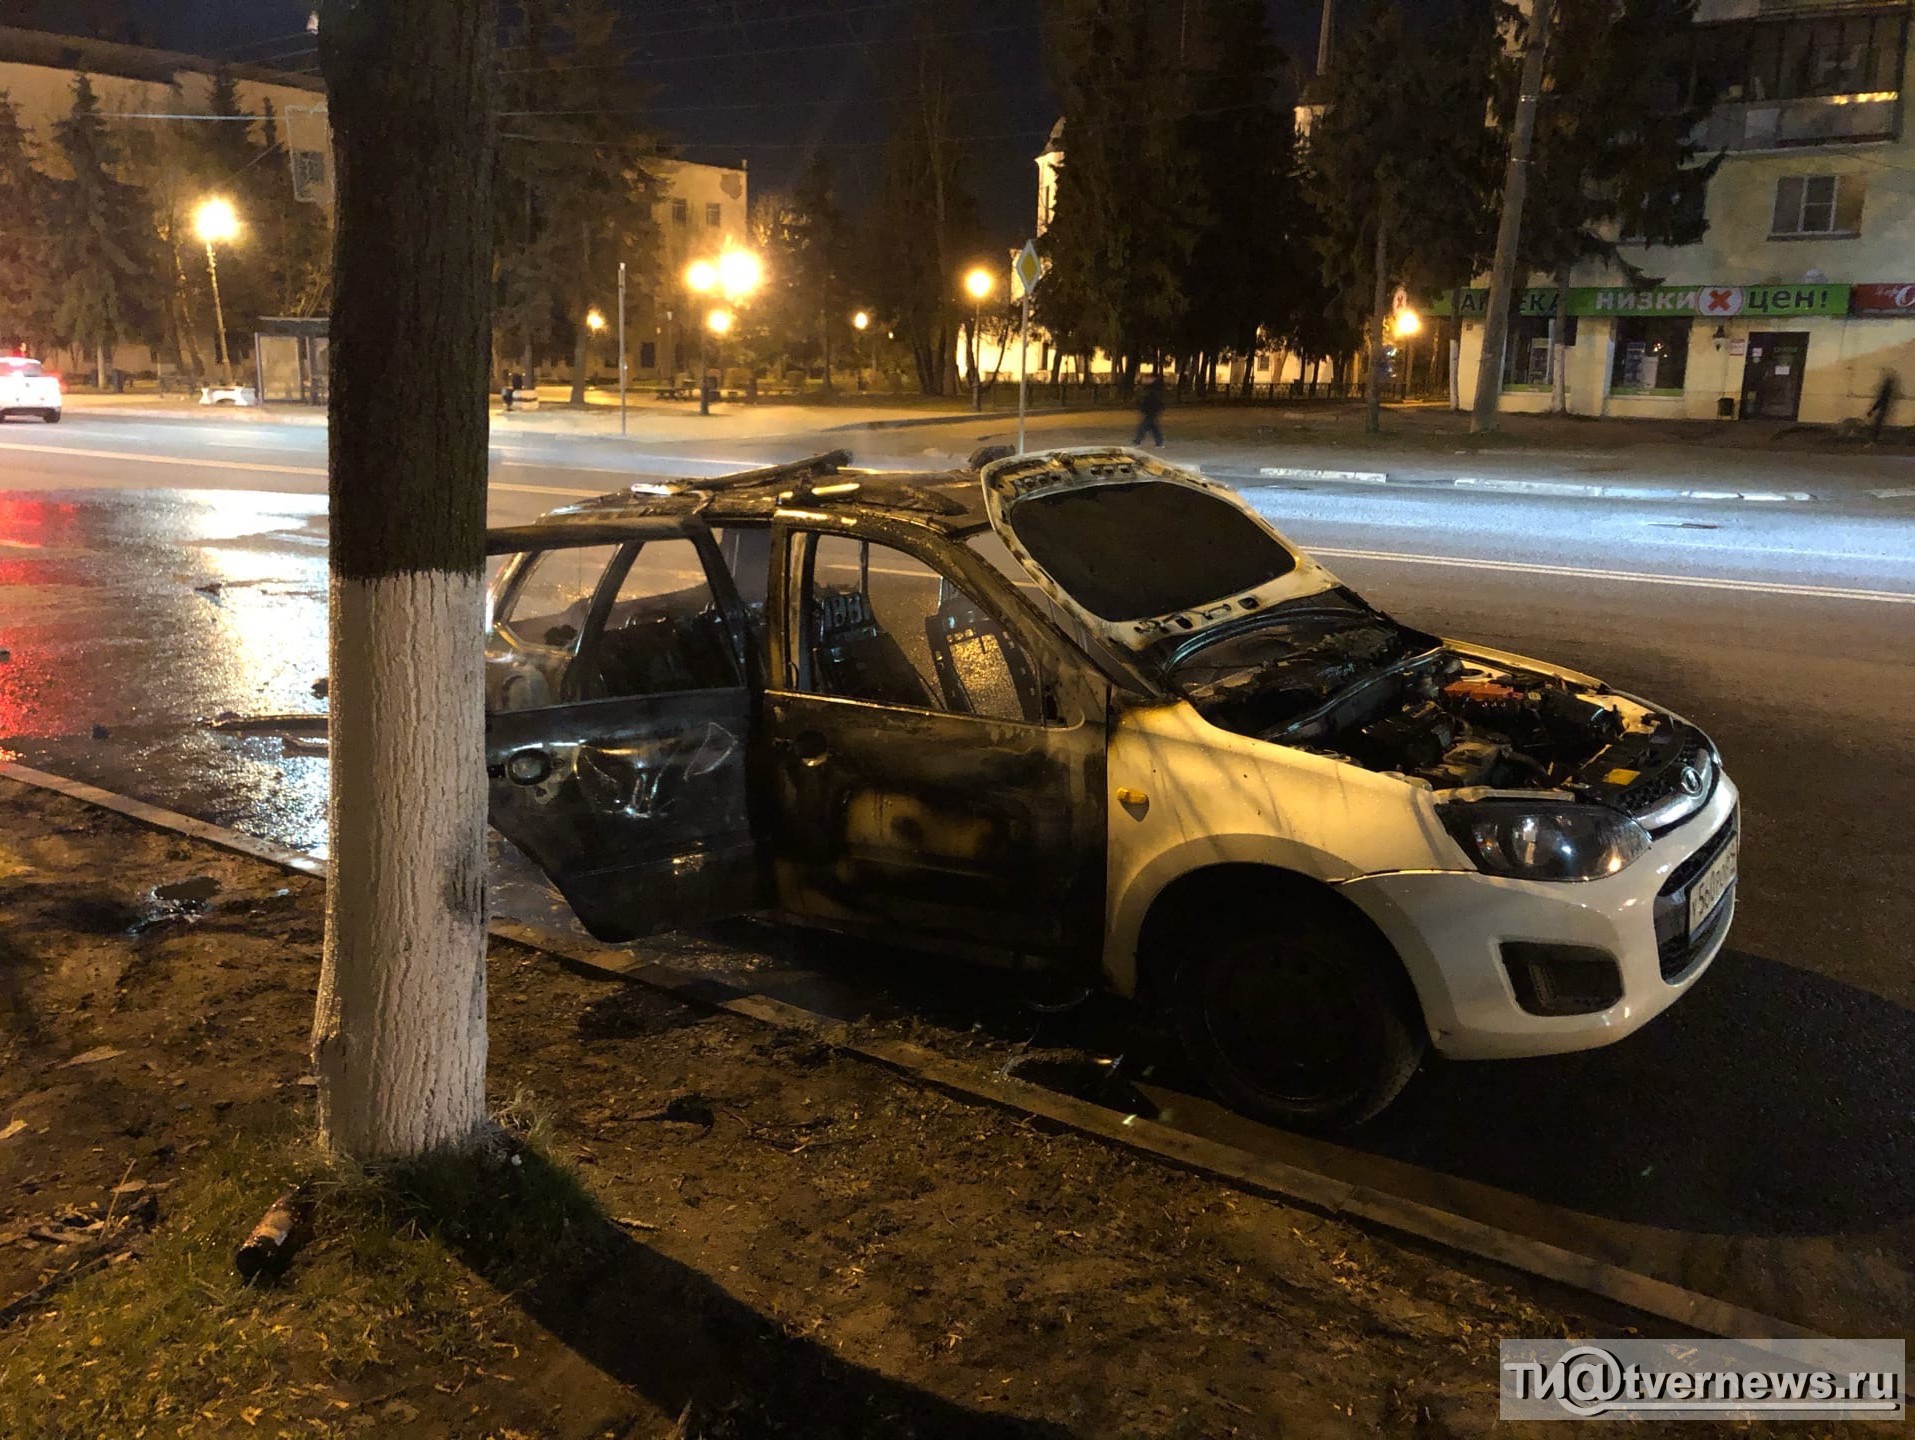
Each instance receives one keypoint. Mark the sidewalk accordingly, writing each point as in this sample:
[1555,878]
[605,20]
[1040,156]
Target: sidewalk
[782,1240]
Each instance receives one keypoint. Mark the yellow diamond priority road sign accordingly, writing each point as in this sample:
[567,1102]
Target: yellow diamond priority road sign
[1027,268]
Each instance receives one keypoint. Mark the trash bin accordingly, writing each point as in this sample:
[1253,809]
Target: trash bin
[1725,408]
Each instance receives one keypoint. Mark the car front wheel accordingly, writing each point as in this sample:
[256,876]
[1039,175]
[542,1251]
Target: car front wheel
[1304,1021]
[52,417]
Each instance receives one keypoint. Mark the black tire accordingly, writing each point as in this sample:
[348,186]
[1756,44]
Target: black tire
[52,417]
[1300,1017]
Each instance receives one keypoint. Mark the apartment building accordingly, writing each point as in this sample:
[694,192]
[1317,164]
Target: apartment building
[1801,295]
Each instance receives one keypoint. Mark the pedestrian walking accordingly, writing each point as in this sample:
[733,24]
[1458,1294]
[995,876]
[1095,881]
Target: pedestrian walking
[1884,402]
[1150,411]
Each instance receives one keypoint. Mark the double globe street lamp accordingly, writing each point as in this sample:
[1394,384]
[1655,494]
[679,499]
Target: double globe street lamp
[733,277]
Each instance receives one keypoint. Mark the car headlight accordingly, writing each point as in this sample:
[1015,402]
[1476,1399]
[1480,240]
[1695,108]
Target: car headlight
[1529,841]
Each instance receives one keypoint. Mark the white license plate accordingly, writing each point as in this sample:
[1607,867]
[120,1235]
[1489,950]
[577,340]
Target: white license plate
[1707,892]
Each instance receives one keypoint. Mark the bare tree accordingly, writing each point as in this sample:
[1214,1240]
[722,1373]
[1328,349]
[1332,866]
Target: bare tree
[399,1039]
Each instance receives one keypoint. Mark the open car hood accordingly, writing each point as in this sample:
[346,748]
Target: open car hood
[1141,551]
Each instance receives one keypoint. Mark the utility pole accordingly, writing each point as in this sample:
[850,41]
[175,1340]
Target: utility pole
[622,367]
[1509,230]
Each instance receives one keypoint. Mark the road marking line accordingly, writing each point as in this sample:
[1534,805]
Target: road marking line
[1635,577]
[318,470]
[165,459]
[543,489]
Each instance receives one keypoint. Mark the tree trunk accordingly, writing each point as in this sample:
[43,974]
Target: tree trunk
[1379,320]
[1509,228]
[1559,347]
[824,344]
[399,1042]
[582,344]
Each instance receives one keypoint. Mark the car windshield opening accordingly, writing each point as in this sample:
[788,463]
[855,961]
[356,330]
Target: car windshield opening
[1136,550]
[1291,659]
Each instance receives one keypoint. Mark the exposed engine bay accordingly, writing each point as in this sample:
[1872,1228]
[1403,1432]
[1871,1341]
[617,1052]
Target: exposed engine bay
[1335,679]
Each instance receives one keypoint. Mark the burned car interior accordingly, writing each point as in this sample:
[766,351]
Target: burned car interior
[900,633]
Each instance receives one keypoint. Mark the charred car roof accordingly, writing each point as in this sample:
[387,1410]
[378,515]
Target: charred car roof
[948,501]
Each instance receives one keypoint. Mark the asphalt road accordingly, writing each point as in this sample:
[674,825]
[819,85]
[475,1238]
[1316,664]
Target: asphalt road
[1752,1143]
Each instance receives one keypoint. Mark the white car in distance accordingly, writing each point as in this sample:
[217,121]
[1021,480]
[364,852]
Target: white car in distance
[27,389]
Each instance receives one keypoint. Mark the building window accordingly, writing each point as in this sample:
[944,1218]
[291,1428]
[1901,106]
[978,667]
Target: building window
[647,354]
[714,215]
[681,212]
[1817,205]
[1667,217]
[1527,356]
[1651,354]
[1748,61]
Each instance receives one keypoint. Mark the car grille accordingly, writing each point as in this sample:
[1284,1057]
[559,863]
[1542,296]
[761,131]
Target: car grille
[1677,948]
[1658,801]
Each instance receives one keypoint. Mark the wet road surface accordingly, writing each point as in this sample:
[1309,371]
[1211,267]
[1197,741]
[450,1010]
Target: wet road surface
[1751,1143]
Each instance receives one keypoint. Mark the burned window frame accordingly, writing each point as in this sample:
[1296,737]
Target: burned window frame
[1037,661]
[1775,59]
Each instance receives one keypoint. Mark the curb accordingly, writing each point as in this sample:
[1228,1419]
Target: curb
[912,422]
[1567,488]
[1228,1163]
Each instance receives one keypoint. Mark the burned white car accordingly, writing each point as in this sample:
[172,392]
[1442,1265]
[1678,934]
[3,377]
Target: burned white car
[1086,715]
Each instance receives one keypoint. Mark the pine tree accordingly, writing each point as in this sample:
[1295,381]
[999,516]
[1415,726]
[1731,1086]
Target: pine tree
[1613,151]
[815,257]
[25,239]
[102,272]
[1251,272]
[574,196]
[1401,161]
[924,222]
[1130,200]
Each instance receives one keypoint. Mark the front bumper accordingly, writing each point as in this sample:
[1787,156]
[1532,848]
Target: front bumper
[1449,928]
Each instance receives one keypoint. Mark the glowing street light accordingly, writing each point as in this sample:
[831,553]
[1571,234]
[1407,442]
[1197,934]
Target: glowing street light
[739,273]
[216,222]
[861,322]
[734,275]
[595,320]
[978,284]
[1405,323]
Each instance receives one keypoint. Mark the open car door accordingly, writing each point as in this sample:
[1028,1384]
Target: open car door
[618,713]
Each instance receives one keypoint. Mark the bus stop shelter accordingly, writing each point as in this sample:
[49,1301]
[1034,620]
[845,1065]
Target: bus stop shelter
[291,358]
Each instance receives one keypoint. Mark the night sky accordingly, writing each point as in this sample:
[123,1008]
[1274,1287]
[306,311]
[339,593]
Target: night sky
[766,81]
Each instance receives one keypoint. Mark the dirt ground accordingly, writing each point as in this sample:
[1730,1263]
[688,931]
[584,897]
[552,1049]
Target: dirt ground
[790,1241]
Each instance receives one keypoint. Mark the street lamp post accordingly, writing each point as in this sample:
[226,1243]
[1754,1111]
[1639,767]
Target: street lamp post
[735,274]
[718,323]
[978,284]
[861,322]
[621,348]
[215,221]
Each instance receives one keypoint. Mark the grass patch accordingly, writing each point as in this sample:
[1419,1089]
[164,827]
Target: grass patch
[378,1302]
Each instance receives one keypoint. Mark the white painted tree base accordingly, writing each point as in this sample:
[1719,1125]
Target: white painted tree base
[399,1041]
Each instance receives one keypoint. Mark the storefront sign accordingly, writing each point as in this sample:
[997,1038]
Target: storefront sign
[1710,302]
[1890,299]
